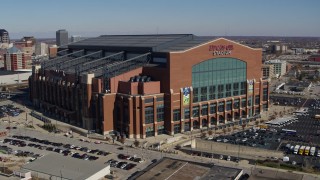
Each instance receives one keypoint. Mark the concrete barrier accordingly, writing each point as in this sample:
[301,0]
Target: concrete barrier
[233,150]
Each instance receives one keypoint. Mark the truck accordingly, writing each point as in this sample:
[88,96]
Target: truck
[307,151]
[296,149]
[312,151]
[301,150]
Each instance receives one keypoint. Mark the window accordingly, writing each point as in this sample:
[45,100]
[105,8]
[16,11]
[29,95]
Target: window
[177,128]
[213,108]
[159,98]
[257,99]
[236,104]
[186,126]
[228,90]
[204,110]
[229,105]
[265,107]
[176,115]
[221,107]
[213,120]
[216,78]
[186,113]
[220,91]
[195,112]
[203,93]
[250,101]
[148,112]
[150,100]
[243,88]
[161,130]
[265,94]
[195,95]
[235,89]
[149,131]
[243,103]
[212,92]
[257,111]
[160,113]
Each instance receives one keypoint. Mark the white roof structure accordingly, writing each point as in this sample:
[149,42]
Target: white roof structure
[280,121]
[64,167]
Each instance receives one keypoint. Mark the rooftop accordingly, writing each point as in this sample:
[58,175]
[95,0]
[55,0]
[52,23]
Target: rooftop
[155,42]
[67,167]
[180,169]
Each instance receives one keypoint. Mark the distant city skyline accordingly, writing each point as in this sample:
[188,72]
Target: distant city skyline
[207,17]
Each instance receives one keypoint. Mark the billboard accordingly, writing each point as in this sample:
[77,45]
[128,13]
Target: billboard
[186,95]
[250,88]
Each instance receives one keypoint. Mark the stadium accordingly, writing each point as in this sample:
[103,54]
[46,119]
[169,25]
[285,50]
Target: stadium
[146,85]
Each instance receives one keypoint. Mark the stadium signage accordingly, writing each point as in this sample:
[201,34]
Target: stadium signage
[221,50]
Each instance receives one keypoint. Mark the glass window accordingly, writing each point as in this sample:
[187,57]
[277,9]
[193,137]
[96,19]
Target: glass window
[212,92]
[204,110]
[177,128]
[161,130]
[203,93]
[149,131]
[257,99]
[229,105]
[195,112]
[176,115]
[243,88]
[265,94]
[265,107]
[149,118]
[221,107]
[186,113]
[195,95]
[236,104]
[159,98]
[226,72]
[250,101]
[186,126]
[160,112]
[150,100]
[213,108]
[243,103]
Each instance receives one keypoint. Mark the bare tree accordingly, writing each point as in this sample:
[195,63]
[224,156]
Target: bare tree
[136,143]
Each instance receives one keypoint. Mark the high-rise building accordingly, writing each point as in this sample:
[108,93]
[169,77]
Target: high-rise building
[41,49]
[279,67]
[62,37]
[14,59]
[4,36]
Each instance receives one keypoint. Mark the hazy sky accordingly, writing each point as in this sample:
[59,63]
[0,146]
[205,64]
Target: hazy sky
[41,18]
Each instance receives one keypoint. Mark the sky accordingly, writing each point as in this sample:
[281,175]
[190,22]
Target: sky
[89,18]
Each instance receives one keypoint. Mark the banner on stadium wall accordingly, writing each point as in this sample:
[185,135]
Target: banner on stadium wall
[250,88]
[186,95]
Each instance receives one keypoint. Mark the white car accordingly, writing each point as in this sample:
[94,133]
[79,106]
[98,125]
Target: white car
[124,165]
[228,158]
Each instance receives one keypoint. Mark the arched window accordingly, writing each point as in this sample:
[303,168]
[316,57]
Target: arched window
[218,78]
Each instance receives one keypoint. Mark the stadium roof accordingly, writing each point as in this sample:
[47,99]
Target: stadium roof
[155,43]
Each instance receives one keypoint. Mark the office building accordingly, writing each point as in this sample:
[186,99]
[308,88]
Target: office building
[14,59]
[146,85]
[279,67]
[267,71]
[4,36]
[62,37]
[41,49]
